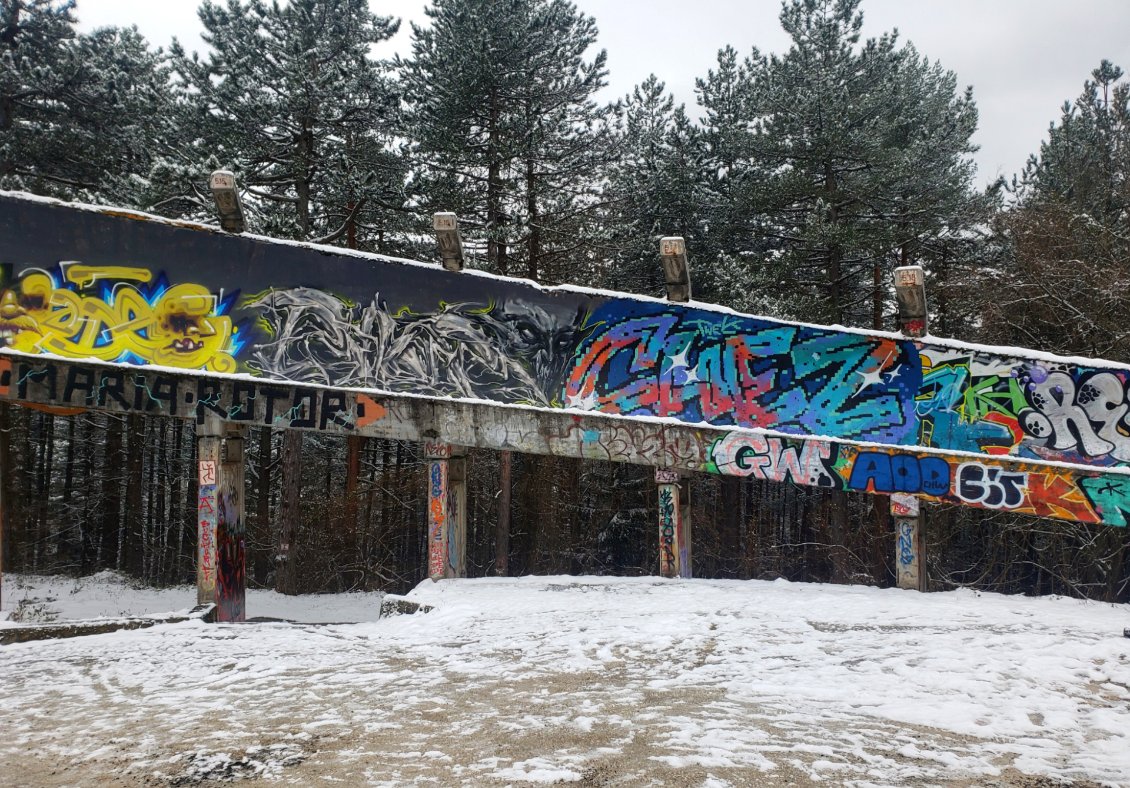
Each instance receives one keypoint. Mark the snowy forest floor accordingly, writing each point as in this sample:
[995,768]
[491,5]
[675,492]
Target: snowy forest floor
[589,681]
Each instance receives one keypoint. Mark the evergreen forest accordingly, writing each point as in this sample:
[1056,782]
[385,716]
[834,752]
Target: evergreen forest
[800,180]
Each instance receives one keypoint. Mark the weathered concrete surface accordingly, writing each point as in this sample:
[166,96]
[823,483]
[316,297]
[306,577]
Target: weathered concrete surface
[1002,483]
[74,629]
[401,606]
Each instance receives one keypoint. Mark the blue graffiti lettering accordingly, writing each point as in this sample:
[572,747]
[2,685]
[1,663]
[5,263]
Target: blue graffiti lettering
[900,473]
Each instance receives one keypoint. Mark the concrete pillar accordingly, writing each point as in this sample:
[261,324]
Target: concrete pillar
[910,525]
[221,565]
[910,552]
[674,525]
[209,439]
[447,511]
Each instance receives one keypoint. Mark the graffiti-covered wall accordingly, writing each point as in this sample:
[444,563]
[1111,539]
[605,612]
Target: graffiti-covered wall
[88,284]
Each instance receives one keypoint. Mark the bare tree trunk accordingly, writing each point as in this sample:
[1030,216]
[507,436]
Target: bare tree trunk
[43,483]
[730,523]
[837,527]
[176,506]
[5,483]
[131,547]
[290,513]
[164,517]
[111,520]
[353,446]
[534,242]
[262,533]
[502,530]
[495,254]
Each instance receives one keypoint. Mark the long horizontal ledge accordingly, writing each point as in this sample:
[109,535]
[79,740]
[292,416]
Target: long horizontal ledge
[1047,489]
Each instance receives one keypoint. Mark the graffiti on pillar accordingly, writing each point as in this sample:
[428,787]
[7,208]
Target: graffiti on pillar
[454,563]
[906,555]
[668,526]
[437,519]
[231,589]
[683,535]
[438,451]
[903,505]
[206,532]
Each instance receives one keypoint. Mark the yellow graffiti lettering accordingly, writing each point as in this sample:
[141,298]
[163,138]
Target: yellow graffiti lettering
[180,329]
[86,275]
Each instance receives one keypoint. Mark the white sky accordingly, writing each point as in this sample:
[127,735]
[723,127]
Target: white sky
[1024,58]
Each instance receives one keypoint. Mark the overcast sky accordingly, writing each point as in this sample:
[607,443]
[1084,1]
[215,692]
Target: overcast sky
[1024,58]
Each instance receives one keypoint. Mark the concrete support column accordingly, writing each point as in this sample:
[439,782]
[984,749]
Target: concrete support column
[209,440]
[674,524]
[447,511]
[910,550]
[221,565]
[910,525]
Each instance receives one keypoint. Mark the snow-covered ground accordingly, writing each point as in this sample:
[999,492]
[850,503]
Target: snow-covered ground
[594,681]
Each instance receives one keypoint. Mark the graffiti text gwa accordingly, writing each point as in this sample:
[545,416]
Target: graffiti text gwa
[117,313]
[1005,484]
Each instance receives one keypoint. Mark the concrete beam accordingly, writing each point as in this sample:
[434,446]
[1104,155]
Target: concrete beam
[1001,483]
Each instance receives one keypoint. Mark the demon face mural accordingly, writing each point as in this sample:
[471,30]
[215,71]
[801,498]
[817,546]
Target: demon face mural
[117,313]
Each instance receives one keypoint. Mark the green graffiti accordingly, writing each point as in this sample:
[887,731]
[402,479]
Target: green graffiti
[1110,495]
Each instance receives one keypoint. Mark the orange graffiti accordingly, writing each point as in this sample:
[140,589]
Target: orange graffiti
[369,411]
[1053,495]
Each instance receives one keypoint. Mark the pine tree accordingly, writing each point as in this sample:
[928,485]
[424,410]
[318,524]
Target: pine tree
[36,61]
[80,115]
[653,187]
[1084,161]
[737,238]
[864,155]
[506,132]
[1064,290]
[291,98]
